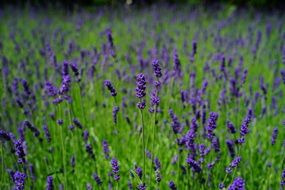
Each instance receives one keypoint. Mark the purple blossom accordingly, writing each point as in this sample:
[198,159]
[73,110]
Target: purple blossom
[274,135]
[85,135]
[172,185]
[154,99]
[238,184]
[156,68]
[97,179]
[77,123]
[89,150]
[212,124]
[47,133]
[49,184]
[139,171]
[244,127]
[231,127]
[5,135]
[19,180]
[110,87]
[230,145]
[193,164]
[157,164]
[50,89]
[141,86]
[175,124]
[19,151]
[157,176]
[115,111]
[282,183]
[141,186]
[115,168]
[106,150]
[177,64]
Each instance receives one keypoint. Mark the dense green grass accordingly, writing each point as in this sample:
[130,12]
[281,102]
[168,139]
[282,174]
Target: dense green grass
[216,31]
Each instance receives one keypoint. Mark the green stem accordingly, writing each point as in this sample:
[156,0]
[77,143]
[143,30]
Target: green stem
[143,144]
[62,149]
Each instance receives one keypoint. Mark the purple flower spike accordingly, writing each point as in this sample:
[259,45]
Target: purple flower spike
[49,185]
[238,184]
[212,124]
[50,89]
[19,151]
[141,86]
[244,127]
[140,90]
[115,111]
[139,171]
[172,185]
[106,148]
[274,135]
[97,179]
[116,169]
[110,87]
[175,124]
[141,186]
[193,164]
[282,183]
[156,68]
[19,180]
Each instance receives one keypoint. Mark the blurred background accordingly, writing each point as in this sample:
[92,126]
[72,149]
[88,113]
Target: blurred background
[70,4]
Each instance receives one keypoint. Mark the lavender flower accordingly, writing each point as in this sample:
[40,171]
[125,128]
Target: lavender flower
[175,124]
[157,164]
[156,68]
[47,133]
[19,180]
[140,90]
[89,186]
[65,85]
[116,169]
[282,183]
[139,171]
[244,127]
[115,113]
[141,186]
[50,89]
[89,150]
[172,185]
[77,123]
[19,151]
[5,135]
[235,162]
[106,148]
[231,127]
[157,176]
[212,124]
[274,135]
[194,48]
[97,179]
[154,98]
[238,184]
[85,135]
[49,185]
[74,68]
[177,64]
[110,87]
[230,145]
[194,165]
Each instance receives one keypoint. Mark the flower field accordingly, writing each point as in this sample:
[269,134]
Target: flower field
[164,97]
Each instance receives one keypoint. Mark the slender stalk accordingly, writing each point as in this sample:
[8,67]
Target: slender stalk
[62,149]
[143,144]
